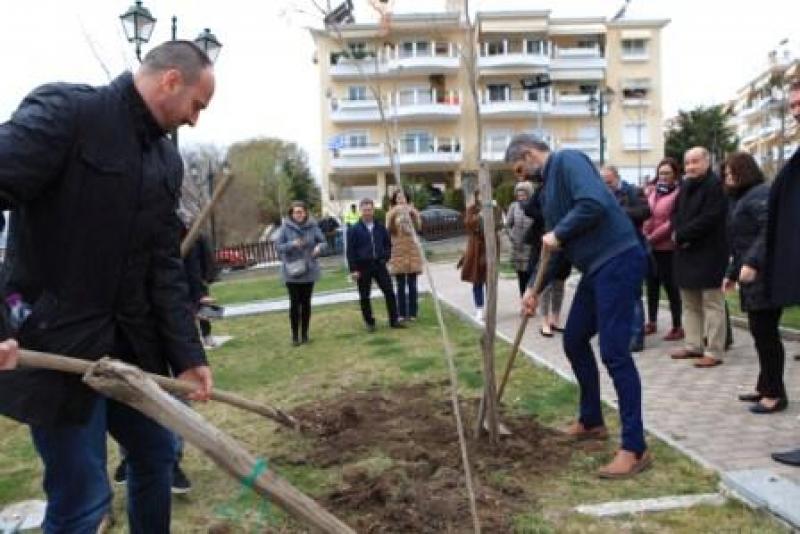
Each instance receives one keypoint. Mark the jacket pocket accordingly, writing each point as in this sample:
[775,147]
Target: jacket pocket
[101,164]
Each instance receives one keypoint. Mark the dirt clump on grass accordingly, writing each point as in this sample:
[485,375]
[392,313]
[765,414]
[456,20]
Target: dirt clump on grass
[401,462]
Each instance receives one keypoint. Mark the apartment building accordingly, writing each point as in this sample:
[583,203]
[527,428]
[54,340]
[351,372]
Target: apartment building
[760,115]
[405,87]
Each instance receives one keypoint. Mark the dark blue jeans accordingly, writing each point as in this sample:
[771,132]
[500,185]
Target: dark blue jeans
[407,304]
[604,304]
[477,295]
[76,479]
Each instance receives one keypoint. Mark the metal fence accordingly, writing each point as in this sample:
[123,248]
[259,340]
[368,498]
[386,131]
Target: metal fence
[249,254]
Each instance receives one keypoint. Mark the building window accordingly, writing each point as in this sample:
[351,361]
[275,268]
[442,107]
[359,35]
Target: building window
[636,89]
[356,139]
[498,92]
[588,89]
[497,141]
[495,48]
[415,49]
[442,49]
[357,92]
[587,43]
[635,136]
[418,142]
[634,49]
[537,47]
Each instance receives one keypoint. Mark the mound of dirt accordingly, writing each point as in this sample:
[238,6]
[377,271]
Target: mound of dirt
[416,484]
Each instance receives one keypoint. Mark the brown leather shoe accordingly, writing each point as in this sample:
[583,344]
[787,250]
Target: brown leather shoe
[579,432]
[676,334]
[626,464]
[684,354]
[707,361]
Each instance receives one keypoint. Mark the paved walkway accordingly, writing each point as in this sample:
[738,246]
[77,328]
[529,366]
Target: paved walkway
[695,409]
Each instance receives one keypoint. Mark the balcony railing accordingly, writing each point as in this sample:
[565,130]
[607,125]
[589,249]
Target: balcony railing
[515,102]
[579,58]
[360,156]
[430,150]
[578,52]
[515,54]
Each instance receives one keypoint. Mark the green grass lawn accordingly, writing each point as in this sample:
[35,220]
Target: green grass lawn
[261,364]
[790,318]
[268,285]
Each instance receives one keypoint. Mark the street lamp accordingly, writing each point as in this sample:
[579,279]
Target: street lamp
[138,25]
[209,43]
[598,103]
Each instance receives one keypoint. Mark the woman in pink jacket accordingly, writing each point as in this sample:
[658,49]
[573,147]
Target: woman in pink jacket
[658,232]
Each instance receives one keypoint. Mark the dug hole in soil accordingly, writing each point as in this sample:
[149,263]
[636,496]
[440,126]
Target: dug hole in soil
[421,488]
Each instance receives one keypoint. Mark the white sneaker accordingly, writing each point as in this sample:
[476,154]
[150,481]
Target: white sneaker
[479,315]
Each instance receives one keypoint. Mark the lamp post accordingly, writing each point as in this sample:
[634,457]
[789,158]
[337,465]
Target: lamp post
[138,24]
[598,103]
[538,83]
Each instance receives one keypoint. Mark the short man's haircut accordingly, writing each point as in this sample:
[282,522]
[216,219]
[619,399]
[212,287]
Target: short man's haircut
[612,169]
[521,143]
[184,56]
[366,202]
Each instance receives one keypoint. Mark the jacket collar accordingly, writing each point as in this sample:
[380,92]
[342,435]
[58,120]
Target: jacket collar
[146,125]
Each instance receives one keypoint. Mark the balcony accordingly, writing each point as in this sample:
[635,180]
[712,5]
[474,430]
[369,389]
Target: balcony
[508,55]
[574,105]
[422,58]
[430,150]
[578,64]
[369,156]
[354,111]
[357,65]
[430,104]
[514,103]
[587,145]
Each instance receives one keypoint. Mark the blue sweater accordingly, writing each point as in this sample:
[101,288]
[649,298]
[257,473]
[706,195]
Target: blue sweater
[582,212]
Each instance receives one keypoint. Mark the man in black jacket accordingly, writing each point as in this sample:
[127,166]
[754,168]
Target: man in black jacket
[783,248]
[368,249]
[701,258]
[634,203]
[96,183]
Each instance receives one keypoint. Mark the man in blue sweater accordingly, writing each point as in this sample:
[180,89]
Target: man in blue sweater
[586,224]
[368,249]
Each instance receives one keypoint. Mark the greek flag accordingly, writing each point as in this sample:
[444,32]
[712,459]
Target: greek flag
[336,143]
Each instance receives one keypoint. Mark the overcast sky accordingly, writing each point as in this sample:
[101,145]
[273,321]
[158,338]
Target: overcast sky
[267,85]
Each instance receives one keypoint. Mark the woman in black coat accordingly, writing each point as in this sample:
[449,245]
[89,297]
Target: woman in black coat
[747,223]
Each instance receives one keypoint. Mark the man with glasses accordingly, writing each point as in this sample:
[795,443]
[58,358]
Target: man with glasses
[585,223]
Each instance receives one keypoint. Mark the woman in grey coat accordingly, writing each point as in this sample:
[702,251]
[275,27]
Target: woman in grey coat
[518,224]
[299,242]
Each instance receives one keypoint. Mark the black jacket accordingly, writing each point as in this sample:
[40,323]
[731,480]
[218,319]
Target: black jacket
[634,203]
[747,229]
[699,222]
[365,248]
[95,183]
[782,244]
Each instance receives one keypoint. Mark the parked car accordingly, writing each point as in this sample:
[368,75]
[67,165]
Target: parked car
[229,258]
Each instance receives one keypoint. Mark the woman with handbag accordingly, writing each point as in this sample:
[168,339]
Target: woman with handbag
[299,242]
[406,261]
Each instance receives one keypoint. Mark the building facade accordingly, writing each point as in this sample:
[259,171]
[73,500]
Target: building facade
[405,87]
[759,113]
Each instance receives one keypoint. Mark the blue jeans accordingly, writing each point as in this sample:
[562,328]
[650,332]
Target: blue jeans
[604,304]
[75,476]
[477,295]
[637,336]
[407,304]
